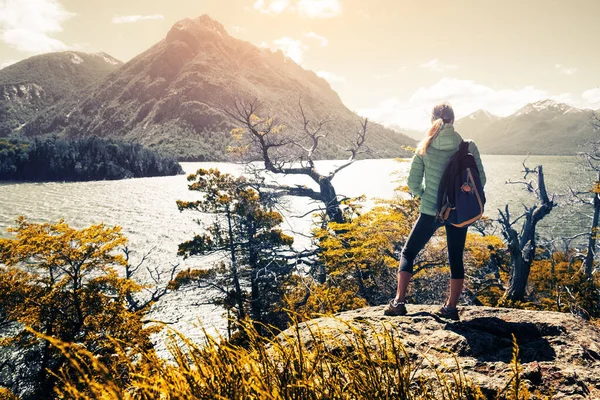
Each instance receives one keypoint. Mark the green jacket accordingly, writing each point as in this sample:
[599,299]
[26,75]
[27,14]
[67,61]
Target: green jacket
[431,167]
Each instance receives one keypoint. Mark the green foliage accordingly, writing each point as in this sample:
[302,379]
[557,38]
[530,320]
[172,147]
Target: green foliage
[63,283]
[52,158]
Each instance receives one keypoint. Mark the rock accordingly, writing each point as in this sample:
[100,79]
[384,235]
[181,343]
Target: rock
[559,353]
[533,373]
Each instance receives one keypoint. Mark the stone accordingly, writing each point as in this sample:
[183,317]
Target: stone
[559,353]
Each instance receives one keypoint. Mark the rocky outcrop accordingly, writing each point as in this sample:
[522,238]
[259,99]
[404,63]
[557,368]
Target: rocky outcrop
[559,353]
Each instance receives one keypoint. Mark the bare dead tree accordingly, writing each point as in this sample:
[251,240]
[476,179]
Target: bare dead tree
[293,153]
[522,245]
[587,265]
[591,158]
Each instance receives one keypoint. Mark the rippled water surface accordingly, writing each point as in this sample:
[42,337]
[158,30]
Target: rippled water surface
[146,210]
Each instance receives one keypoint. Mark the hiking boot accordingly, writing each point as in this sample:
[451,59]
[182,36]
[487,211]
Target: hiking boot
[445,312]
[394,309]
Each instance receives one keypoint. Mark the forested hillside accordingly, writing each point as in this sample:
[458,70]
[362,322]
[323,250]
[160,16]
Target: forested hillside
[55,159]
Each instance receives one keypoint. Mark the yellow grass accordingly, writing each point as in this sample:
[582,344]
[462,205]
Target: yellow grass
[370,363]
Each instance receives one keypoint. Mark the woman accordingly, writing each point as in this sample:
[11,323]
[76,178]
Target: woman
[428,164]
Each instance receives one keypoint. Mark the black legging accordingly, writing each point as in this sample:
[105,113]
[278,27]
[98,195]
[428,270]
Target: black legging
[423,230]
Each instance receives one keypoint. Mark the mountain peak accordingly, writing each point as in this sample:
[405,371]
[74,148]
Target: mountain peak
[547,105]
[203,22]
[482,114]
[196,31]
[206,21]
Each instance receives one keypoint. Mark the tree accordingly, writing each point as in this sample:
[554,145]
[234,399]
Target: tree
[52,158]
[559,284]
[149,294]
[63,283]
[591,158]
[288,153]
[522,246]
[361,255]
[244,227]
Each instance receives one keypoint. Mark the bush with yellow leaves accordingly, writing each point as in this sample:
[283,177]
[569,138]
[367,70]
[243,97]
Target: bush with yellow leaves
[64,283]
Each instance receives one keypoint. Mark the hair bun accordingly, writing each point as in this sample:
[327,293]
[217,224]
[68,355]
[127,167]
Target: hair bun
[444,112]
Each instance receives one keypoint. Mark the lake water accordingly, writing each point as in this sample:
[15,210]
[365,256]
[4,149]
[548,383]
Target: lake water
[146,210]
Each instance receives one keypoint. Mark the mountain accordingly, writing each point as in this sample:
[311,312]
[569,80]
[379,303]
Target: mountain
[478,121]
[30,86]
[171,97]
[543,127]
[412,133]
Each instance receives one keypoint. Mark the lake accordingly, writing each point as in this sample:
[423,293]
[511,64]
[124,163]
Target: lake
[146,210]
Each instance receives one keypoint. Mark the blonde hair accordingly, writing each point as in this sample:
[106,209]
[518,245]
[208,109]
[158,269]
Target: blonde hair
[440,115]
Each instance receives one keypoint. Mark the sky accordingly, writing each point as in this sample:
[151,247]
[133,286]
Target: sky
[389,60]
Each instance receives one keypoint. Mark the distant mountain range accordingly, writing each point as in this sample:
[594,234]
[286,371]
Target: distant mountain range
[412,133]
[171,97]
[544,127]
[31,86]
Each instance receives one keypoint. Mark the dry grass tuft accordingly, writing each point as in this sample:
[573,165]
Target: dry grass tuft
[370,363]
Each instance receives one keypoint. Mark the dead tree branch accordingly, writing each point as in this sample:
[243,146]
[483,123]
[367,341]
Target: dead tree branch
[522,246]
[267,136]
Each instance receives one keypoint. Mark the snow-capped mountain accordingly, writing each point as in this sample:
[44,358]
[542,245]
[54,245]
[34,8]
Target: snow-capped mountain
[548,107]
[543,127]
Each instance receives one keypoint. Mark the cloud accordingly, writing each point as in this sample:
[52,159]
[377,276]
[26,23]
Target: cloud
[129,19]
[467,96]
[28,25]
[331,77]
[324,41]
[306,8]
[566,70]
[435,66]
[591,98]
[271,6]
[319,8]
[292,48]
